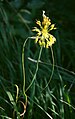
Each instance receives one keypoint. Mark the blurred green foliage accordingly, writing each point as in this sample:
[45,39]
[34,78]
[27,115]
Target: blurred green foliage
[17,19]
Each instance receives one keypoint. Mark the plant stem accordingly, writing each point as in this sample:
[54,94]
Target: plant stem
[23,65]
[35,70]
[52,70]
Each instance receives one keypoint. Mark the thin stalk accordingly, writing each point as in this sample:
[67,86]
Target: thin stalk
[23,67]
[52,70]
[34,77]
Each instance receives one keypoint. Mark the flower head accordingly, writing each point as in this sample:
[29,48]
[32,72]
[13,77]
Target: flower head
[43,37]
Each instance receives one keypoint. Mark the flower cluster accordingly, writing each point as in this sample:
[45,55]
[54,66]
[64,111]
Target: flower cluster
[43,37]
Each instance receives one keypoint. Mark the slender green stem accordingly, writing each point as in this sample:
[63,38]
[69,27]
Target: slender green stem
[52,70]
[23,65]
[34,77]
[53,108]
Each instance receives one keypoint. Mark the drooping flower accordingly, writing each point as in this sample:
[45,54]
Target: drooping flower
[43,37]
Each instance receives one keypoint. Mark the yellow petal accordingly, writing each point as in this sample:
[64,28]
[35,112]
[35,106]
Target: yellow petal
[36,40]
[37,30]
[52,40]
[52,27]
[39,23]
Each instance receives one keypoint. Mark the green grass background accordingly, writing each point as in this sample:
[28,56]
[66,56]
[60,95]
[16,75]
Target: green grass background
[17,19]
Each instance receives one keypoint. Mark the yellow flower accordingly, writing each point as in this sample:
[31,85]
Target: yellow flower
[43,37]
